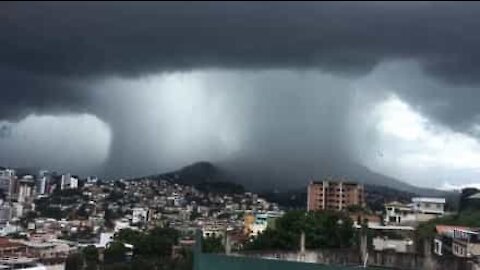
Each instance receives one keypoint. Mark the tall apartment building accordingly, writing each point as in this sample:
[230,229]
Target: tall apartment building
[333,195]
[8,182]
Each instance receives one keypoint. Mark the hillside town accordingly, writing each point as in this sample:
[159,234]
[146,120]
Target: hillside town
[47,218]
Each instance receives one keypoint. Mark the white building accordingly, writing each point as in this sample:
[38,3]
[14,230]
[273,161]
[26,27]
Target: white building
[68,182]
[397,213]
[435,206]
[92,179]
[259,225]
[262,221]
[25,189]
[42,182]
[105,239]
[122,224]
[420,210]
[213,230]
[139,215]
[65,182]
[73,182]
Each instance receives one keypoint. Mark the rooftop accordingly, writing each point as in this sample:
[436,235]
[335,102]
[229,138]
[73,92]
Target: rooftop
[428,200]
[334,182]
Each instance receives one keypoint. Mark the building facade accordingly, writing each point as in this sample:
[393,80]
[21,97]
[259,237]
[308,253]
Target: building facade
[434,206]
[329,195]
[8,182]
[419,210]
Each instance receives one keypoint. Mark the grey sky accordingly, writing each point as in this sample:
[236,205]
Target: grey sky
[288,86]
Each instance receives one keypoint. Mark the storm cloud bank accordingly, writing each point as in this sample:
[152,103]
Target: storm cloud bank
[278,84]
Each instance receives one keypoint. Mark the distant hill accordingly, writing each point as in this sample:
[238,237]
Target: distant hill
[202,175]
[289,188]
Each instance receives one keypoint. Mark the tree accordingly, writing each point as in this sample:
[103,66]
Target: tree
[466,203]
[212,244]
[322,229]
[90,254]
[157,242]
[128,236]
[115,252]
[74,262]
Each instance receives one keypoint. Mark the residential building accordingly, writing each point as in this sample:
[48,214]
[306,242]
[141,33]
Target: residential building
[330,195]
[65,182]
[43,179]
[255,224]
[5,212]
[8,182]
[73,182]
[139,215]
[434,206]
[398,213]
[419,210]
[25,189]
[466,242]
[459,241]
[260,224]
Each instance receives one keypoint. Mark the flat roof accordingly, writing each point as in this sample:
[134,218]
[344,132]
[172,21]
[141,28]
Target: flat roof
[334,182]
[428,199]
[388,227]
[16,260]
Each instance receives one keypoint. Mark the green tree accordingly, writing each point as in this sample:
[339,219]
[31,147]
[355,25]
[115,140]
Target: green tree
[90,254]
[213,244]
[322,229]
[115,252]
[129,236]
[157,242]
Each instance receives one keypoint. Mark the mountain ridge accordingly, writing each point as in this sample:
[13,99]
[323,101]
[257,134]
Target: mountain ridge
[207,172]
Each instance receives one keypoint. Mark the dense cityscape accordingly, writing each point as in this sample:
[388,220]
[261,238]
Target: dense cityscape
[61,221]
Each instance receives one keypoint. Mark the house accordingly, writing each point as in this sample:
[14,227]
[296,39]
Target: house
[419,210]
[459,241]
[399,213]
[433,206]
[466,242]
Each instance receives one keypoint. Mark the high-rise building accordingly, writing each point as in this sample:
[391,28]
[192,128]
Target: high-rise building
[8,182]
[5,212]
[65,182]
[43,180]
[334,195]
[25,189]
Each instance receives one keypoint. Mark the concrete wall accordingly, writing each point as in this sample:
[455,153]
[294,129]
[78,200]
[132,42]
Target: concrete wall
[325,256]
[402,246]
[55,267]
[351,257]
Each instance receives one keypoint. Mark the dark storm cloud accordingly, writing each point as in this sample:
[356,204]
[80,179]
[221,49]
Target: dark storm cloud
[24,93]
[49,52]
[132,38]
[97,39]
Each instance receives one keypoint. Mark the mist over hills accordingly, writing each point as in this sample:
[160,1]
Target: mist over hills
[265,179]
